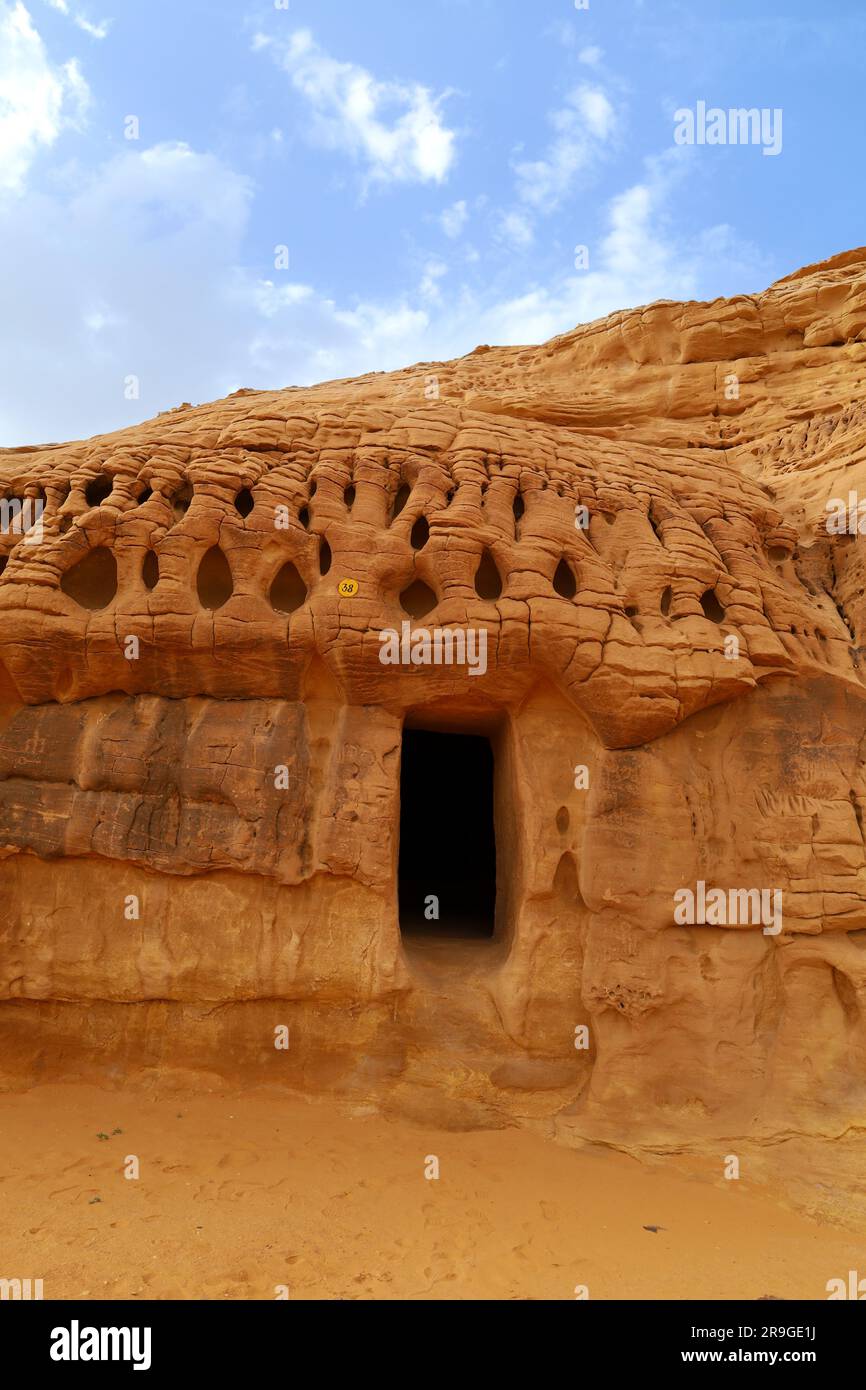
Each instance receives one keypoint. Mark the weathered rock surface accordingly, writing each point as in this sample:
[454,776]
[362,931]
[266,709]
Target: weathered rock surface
[701,443]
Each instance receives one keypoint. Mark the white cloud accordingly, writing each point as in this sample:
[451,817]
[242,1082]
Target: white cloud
[99,318]
[433,273]
[130,270]
[583,127]
[37,99]
[165,193]
[271,299]
[454,219]
[591,56]
[96,31]
[138,269]
[516,228]
[596,110]
[637,261]
[394,128]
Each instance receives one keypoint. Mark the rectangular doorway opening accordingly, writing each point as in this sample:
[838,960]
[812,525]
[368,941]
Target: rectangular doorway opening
[447,868]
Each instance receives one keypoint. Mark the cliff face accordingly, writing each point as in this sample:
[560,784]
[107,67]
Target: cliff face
[200,743]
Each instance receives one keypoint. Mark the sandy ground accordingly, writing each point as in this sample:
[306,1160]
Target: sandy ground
[238,1194]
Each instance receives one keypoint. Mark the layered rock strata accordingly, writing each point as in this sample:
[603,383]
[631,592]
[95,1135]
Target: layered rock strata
[200,745]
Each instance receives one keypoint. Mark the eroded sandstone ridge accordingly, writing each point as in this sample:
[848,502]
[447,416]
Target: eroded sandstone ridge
[611,509]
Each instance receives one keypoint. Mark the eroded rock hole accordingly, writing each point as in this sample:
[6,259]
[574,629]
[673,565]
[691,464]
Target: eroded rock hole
[420,533]
[518,507]
[288,591]
[144,496]
[712,608]
[847,994]
[564,581]
[349,496]
[400,500]
[214,580]
[447,863]
[488,581]
[324,556]
[97,490]
[304,518]
[244,502]
[92,583]
[4,561]
[565,880]
[418,600]
[181,502]
[666,601]
[150,570]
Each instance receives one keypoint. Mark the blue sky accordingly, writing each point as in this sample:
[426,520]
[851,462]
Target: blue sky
[429,166]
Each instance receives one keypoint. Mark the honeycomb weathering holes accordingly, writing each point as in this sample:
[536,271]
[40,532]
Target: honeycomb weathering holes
[214,579]
[98,489]
[403,495]
[180,502]
[564,581]
[92,582]
[288,591]
[488,581]
[244,502]
[712,608]
[324,556]
[420,533]
[150,570]
[418,600]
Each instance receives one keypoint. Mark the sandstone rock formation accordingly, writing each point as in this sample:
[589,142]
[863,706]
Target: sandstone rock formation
[611,509]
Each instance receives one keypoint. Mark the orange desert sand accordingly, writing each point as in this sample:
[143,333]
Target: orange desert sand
[239,1194]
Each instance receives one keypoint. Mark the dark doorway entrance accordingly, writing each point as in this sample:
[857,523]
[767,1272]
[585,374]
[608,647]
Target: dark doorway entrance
[447,838]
